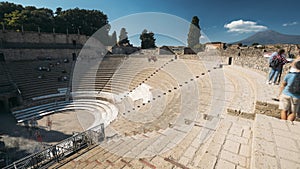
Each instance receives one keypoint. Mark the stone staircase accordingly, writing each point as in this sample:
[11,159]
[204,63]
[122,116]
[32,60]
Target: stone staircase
[210,140]
[229,145]
[240,143]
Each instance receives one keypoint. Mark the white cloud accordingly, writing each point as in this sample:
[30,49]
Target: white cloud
[202,37]
[241,26]
[290,24]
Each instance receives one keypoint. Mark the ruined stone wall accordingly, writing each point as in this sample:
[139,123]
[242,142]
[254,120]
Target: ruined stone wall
[35,37]
[34,54]
[251,58]
[34,45]
[190,57]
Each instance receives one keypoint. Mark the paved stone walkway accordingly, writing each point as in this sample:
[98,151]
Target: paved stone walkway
[211,140]
[248,86]
[276,143]
[257,80]
[230,146]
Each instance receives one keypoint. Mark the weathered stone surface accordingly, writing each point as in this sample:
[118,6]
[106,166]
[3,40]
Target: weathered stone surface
[234,158]
[279,148]
[222,164]
[233,142]
[232,146]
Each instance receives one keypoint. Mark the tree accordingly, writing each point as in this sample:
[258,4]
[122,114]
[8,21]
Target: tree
[30,18]
[86,21]
[58,11]
[14,20]
[113,38]
[194,32]
[7,8]
[148,40]
[123,34]
[123,38]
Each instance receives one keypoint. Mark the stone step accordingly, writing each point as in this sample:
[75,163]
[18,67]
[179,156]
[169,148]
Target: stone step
[276,143]
[229,146]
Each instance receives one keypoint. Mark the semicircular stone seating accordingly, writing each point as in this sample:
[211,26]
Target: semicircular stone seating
[33,82]
[185,88]
[234,142]
[163,139]
[103,111]
[164,129]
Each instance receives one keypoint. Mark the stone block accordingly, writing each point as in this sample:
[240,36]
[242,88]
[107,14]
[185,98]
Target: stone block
[190,152]
[263,134]
[238,139]
[247,133]
[219,138]
[288,155]
[231,146]
[286,143]
[222,164]
[214,148]
[289,164]
[264,147]
[234,158]
[262,161]
[207,162]
[236,130]
[295,128]
[279,124]
[245,150]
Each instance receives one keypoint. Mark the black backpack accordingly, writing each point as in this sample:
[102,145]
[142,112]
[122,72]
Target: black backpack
[275,62]
[295,86]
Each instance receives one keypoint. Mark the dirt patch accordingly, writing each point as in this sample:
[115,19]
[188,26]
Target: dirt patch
[241,114]
[64,122]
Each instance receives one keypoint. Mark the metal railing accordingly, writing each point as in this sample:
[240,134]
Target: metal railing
[60,151]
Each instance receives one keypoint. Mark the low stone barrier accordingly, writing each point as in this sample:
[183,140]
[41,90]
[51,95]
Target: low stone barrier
[268,109]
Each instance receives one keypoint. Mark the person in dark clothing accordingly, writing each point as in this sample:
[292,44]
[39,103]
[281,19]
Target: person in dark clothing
[276,62]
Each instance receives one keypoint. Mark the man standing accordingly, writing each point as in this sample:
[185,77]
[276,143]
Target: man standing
[290,94]
[276,62]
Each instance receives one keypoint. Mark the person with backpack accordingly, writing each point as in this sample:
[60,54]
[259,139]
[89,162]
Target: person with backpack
[290,94]
[292,68]
[276,62]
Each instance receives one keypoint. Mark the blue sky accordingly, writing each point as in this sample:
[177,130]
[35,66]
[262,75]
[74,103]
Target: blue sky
[220,20]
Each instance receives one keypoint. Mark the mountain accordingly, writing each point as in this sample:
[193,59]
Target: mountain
[270,37]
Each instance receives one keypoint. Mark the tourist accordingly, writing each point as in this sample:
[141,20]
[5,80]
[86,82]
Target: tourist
[293,69]
[276,62]
[290,94]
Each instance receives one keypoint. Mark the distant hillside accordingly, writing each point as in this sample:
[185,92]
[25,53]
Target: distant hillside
[270,37]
